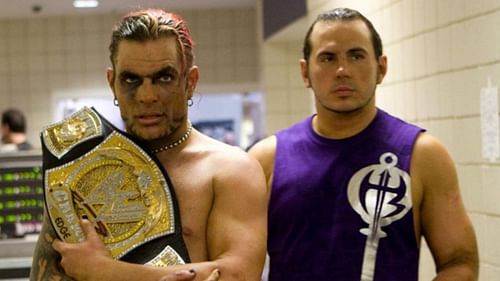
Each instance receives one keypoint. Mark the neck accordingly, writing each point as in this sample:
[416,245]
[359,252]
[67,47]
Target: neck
[343,125]
[180,140]
[16,138]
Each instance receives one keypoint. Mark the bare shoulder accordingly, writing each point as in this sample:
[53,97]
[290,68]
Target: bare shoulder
[431,158]
[227,160]
[264,151]
[223,152]
[428,143]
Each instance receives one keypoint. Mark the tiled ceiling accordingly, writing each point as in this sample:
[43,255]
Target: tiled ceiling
[28,8]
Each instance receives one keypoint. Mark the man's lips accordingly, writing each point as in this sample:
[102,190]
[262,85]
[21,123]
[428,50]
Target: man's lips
[150,118]
[343,90]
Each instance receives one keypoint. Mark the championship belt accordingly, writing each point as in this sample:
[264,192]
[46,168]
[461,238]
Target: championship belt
[93,170]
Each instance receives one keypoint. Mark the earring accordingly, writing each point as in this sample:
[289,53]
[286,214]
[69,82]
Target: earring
[115,102]
[190,102]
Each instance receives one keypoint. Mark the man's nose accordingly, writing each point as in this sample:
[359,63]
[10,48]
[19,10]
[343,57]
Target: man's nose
[342,68]
[147,92]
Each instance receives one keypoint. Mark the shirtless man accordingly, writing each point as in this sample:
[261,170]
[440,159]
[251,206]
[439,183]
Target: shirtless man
[220,189]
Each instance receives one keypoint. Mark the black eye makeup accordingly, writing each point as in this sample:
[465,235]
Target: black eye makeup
[164,76]
[130,79]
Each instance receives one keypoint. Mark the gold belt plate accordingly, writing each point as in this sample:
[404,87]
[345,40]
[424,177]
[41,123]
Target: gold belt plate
[61,137]
[119,188]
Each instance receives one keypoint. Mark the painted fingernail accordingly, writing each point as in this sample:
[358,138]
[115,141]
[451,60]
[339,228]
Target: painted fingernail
[184,272]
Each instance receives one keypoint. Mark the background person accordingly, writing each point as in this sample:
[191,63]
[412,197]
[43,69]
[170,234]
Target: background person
[13,131]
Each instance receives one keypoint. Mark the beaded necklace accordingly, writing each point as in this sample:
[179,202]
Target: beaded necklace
[177,142]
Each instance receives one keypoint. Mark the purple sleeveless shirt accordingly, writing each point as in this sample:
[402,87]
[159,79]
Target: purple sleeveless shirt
[342,209]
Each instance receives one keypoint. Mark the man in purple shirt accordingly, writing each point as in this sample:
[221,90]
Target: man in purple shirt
[352,188]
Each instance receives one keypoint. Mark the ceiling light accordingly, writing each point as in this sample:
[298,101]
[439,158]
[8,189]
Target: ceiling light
[85,3]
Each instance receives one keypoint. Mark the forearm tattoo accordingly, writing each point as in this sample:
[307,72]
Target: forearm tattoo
[45,266]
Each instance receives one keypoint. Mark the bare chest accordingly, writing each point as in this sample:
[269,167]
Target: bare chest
[194,193]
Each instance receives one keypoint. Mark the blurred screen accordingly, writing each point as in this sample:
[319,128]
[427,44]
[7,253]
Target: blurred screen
[21,194]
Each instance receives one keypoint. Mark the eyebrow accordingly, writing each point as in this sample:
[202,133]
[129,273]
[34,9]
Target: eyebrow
[357,49]
[167,69]
[352,50]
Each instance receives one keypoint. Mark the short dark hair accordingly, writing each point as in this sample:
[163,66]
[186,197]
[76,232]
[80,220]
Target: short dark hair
[15,120]
[152,24]
[342,14]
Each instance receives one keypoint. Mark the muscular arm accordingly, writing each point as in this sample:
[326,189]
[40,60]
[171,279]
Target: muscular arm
[237,226]
[236,233]
[45,259]
[91,260]
[444,221]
